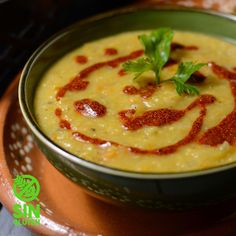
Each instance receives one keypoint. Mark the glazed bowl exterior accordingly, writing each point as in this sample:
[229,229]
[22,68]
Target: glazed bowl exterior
[152,190]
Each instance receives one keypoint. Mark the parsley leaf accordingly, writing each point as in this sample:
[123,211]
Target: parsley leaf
[185,70]
[157,48]
[162,49]
[138,67]
[185,88]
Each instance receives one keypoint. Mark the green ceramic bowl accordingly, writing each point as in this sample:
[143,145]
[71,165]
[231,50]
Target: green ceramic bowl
[168,190]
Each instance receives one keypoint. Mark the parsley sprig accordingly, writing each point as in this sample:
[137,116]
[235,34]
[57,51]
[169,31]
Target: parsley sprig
[157,48]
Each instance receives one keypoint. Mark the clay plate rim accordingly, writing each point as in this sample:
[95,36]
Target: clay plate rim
[47,226]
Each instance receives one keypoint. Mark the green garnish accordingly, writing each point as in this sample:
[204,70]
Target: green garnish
[185,70]
[157,47]
[138,67]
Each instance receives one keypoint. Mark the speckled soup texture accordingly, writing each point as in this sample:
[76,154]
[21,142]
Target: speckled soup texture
[106,86]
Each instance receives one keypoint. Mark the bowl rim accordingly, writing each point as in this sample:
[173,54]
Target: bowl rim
[86,163]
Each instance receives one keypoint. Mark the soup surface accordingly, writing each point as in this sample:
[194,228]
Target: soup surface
[90,107]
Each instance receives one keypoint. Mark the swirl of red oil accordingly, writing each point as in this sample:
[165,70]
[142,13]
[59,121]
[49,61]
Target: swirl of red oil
[90,108]
[78,83]
[144,92]
[226,129]
[149,118]
[75,85]
[81,59]
[110,51]
[64,124]
[196,127]
[161,117]
[121,72]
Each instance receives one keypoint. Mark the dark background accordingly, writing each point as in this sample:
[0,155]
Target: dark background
[24,25]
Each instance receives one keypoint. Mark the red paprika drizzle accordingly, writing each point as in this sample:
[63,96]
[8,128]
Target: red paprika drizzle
[90,108]
[144,92]
[78,82]
[81,59]
[121,72]
[224,131]
[166,116]
[64,124]
[75,85]
[110,51]
[58,112]
[165,150]
[149,118]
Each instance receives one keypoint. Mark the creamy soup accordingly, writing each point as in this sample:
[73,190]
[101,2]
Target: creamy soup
[87,104]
